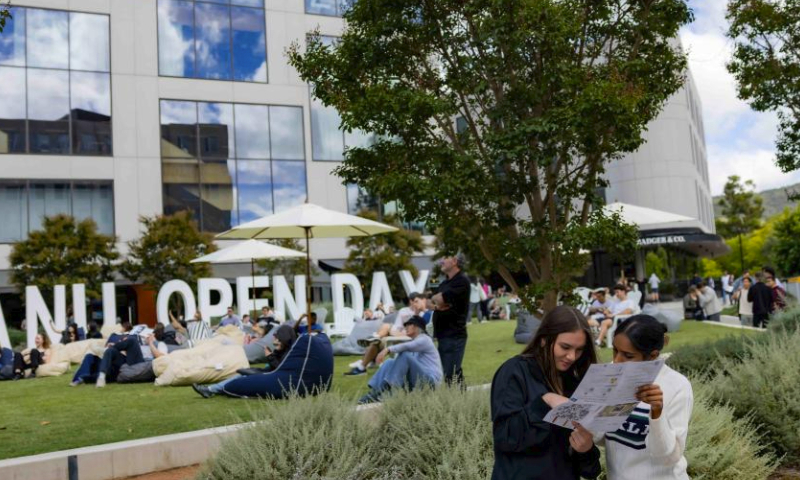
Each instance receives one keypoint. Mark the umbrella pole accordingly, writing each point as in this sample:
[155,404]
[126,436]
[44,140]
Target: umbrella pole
[253,277]
[308,281]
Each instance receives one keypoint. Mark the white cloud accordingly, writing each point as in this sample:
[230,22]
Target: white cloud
[739,141]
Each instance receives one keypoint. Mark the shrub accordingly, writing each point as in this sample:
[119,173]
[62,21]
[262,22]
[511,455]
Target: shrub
[704,358]
[18,338]
[767,386]
[785,322]
[721,447]
[314,438]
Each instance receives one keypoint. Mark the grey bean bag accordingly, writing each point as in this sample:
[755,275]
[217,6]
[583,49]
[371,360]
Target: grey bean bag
[671,319]
[361,330]
[255,351]
[527,325]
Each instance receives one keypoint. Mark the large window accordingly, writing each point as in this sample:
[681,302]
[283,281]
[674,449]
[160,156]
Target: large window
[331,8]
[55,86]
[25,203]
[231,163]
[359,199]
[328,141]
[214,39]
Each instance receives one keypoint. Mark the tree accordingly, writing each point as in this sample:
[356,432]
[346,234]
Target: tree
[786,248]
[741,211]
[64,252]
[389,253]
[5,14]
[766,65]
[494,119]
[165,250]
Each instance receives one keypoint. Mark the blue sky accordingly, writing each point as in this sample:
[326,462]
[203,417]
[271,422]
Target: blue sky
[738,140]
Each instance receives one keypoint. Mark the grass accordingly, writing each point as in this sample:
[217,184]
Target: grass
[46,415]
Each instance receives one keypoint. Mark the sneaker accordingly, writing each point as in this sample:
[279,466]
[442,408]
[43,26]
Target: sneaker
[355,364]
[372,365]
[202,390]
[76,382]
[356,371]
[598,342]
[370,397]
[101,381]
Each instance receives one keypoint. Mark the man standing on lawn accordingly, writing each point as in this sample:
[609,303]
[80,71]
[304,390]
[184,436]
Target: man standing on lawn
[760,295]
[450,304]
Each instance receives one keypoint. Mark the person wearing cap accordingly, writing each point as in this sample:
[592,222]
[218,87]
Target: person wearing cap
[417,362]
[416,306]
[450,304]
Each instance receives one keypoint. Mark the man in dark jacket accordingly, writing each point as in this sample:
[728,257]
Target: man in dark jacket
[760,295]
[450,305]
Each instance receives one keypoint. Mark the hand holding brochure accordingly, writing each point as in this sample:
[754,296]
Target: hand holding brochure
[606,396]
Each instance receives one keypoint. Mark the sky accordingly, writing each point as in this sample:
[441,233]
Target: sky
[739,141]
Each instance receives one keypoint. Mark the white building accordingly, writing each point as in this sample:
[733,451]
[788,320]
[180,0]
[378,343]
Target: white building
[116,109]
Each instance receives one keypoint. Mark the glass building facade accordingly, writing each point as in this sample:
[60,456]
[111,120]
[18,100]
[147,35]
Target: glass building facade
[212,39]
[55,85]
[231,163]
[25,203]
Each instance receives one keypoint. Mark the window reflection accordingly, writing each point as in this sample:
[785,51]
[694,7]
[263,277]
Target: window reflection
[48,40]
[88,42]
[252,134]
[176,38]
[322,7]
[12,113]
[48,111]
[213,41]
[288,184]
[13,212]
[12,41]
[286,133]
[229,178]
[95,202]
[91,113]
[46,200]
[327,141]
[253,186]
[55,91]
[249,44]
[217,39]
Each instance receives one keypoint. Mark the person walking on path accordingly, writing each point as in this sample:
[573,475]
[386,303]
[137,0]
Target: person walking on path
[760,295]
[450,304]
[654,282]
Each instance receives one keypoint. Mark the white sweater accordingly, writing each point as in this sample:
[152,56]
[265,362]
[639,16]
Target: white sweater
[653,449]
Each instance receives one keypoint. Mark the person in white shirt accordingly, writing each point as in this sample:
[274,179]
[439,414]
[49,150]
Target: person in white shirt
[623,306]
[476,296]
[652,441]
[597,310]
[727,288]
[654,281]
[745,306]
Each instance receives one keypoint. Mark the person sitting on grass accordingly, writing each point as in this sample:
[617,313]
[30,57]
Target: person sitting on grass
[6,363]
[417,362]
[623,306]
[230,318]
[301,328]
[652,441]
[119,351]
[33,358]
[283,341]
[416,306]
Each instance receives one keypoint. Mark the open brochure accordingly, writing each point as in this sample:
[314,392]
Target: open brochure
[606,396]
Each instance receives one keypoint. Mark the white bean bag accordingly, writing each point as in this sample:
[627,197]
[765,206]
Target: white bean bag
[210,362]
[52,369]
[75,351]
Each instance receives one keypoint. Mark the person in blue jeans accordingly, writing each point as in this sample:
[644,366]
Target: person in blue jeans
[450,304]
[120,351]
[417,362]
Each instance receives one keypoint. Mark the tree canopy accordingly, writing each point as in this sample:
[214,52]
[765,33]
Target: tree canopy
[64,252]
[741,208]
[165,249]
[766,65]
[495,118]
[786,247]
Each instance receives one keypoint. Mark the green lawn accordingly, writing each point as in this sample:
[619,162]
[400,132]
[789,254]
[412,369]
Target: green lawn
[45,415]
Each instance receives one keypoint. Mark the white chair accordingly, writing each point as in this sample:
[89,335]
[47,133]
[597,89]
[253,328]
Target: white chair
[617,320]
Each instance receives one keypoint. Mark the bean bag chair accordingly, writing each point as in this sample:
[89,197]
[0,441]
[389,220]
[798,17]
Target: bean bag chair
[208,363]
[361,330]
[75,351]
[139,373]
[52,369]
[527,325]
[670,319]
[306,369]
[109,329]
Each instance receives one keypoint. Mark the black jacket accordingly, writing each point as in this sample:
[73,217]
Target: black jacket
[452,323]
[525,446]
[761,297]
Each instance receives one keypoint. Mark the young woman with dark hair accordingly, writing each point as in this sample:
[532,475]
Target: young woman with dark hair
[652,441]
[526,387]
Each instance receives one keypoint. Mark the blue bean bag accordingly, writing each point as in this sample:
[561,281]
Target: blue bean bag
[306,369]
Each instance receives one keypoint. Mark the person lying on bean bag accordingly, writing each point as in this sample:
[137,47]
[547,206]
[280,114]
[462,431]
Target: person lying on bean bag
[306,370]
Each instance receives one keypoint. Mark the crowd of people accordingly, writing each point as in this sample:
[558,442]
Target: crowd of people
[756,296]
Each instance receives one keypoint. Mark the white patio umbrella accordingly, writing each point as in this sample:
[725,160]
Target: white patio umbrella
[307,221]
[248,251]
